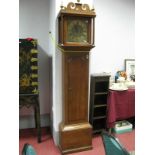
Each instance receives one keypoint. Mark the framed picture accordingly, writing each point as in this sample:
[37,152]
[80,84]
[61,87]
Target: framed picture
[130,68]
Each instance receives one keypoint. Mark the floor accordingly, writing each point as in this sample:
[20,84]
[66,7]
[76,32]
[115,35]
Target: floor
[47,146]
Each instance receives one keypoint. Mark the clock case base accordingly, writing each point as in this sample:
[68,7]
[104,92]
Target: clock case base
[75,137]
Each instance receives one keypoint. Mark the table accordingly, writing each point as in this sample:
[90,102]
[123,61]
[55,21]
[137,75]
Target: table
[32,100]
[120,105]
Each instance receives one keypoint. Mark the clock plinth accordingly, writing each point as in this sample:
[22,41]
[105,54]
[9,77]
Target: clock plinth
[76,39]
[75,137]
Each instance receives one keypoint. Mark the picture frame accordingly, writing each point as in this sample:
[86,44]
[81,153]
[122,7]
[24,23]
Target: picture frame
[130,69]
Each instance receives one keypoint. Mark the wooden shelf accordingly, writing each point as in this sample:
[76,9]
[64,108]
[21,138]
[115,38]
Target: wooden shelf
[98,102]
[99,117]
[100,105]
[98,131]
[101,93]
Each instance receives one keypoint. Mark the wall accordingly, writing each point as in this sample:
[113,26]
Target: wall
[114,41]
[52,47]
[114,35]
[34,22]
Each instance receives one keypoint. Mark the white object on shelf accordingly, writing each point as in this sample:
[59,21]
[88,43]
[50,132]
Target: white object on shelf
[122,127]
[130,84]
[118,86]
[121,79]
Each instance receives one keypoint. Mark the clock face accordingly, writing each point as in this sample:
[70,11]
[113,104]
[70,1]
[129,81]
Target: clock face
[77,30]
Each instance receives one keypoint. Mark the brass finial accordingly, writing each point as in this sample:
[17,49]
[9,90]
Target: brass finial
[93,9]
[61,6]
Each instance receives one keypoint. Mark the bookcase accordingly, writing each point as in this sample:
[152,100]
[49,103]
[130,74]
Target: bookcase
[99,87]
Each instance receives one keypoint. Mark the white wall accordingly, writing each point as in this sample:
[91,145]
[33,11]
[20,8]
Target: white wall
[52,47]
[114,35]
[34,22]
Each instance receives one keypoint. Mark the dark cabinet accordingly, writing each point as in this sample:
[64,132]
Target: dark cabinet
[28,79]
[28,66]
[98,101]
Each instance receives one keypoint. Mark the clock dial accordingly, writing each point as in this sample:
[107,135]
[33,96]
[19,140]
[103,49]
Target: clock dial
[77,30]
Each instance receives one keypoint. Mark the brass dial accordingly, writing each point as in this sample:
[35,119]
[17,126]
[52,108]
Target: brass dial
[77,30]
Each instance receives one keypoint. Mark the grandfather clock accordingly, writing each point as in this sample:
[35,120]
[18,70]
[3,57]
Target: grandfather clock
[75,39]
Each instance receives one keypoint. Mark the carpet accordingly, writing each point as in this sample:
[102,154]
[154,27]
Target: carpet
[47,146]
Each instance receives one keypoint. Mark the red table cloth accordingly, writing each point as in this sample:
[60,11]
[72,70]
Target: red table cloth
[120,105]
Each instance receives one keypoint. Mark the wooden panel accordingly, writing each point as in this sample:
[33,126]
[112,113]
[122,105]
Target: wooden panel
[75,137]
[77,87]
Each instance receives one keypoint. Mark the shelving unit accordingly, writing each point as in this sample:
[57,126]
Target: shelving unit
[98,101]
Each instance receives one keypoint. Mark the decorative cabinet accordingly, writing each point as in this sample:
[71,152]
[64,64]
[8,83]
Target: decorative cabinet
[28,66]
[28,78]
[98,101]
[76,39]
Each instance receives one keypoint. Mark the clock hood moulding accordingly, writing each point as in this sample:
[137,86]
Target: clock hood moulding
[77,9]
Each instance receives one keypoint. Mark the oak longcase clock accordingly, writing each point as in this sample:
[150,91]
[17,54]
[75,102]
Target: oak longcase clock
[75,39]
